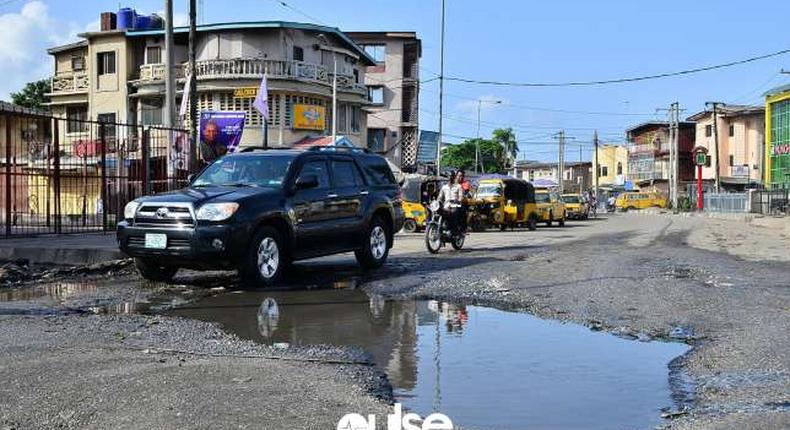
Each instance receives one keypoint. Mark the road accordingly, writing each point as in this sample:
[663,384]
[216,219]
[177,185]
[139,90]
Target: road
[720,285]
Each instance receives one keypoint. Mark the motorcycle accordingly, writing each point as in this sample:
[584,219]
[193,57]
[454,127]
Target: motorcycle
[438,233]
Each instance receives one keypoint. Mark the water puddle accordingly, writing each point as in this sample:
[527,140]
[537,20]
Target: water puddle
[483,367]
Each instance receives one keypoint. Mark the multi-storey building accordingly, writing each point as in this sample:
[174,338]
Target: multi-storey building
[777,137]
[648,154]
[118,75]
[740,131]
[611,164]
[577,176]
[393,86]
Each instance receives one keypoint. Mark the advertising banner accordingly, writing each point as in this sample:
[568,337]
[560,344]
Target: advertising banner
[220,133]
[309,117]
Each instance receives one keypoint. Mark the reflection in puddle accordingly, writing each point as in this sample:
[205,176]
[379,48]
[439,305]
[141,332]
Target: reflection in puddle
[483,367]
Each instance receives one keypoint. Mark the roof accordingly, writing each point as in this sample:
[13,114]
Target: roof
[730,111]
[247,25]
[656,124]
[54,50]
[778,90]
[10,107]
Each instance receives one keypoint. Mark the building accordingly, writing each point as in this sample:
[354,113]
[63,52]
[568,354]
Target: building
[740,151]
[118,75]
[777,137]
[393,89]
[613,168]
[648,154]
[577,176]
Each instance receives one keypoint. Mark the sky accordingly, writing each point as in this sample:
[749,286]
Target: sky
[500,40]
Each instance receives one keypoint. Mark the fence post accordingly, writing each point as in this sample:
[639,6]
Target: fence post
[7,175]
[145,147]
[104,206]
[56,185]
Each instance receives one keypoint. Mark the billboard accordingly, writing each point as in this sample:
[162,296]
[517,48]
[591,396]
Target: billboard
[220,133]
[309,117]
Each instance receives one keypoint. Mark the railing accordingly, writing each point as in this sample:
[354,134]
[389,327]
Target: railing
[726,202]
[156,72]
[253,68]
[71,82]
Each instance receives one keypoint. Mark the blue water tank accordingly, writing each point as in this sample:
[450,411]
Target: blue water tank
[142,22]
[127,18]
[157,22]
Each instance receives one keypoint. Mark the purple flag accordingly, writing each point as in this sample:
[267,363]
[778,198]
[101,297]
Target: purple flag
[262,99]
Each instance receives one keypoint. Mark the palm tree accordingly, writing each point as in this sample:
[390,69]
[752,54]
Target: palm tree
[506,137]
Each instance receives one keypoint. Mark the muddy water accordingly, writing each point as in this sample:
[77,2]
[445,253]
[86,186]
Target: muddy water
[483,367]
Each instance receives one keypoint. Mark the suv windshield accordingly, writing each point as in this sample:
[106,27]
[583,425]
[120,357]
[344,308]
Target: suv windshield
[253,171]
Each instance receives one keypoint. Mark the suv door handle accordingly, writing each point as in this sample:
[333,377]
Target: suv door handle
[364,193]
[331,196]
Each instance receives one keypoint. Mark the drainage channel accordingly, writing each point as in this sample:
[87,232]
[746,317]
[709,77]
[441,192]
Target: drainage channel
[483,367]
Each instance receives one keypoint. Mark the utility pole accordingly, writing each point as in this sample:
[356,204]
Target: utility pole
[561,161]
[676,154]
[716,142]
[170,87]
[597,166]
[672,154]
[334,99]
[193,95]
[441,95]
[477,144]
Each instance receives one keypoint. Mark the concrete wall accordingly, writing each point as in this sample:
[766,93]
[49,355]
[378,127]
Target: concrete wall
[609,156]
[745,146]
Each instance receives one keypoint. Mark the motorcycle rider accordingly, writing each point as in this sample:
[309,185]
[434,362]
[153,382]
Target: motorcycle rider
[451,197]
[466,195]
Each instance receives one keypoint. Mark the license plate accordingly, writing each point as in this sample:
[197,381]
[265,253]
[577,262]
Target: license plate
[155,240]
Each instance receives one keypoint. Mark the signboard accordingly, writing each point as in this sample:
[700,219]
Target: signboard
[740,171]
[309,117]
[245,93]
[700,159]
[220,133]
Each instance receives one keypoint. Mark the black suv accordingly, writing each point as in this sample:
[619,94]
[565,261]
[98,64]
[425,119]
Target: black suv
[258,210]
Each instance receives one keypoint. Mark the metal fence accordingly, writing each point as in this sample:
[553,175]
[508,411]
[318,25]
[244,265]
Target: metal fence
[771,202]
[726,202]
[72,176]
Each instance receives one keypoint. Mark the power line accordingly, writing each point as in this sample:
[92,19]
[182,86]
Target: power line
[286,5]
[619,80]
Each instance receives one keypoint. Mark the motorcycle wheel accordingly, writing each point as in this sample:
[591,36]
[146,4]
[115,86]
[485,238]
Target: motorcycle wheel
[458,242]
[433,238]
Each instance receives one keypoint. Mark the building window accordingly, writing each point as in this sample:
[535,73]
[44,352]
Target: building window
[298,53]
[619,168]
[342,118]
[109,128]
[378,52]
[376,138]
[356,76]
[732,130]
[78,63]
[708,130]
[76,116]
[106,63]
[355,114]
[153,55]
[604,171]
[376,95]
[151,112]
[732,160]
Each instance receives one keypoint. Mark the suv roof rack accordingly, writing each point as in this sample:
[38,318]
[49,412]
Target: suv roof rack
[337,148]
[257,148]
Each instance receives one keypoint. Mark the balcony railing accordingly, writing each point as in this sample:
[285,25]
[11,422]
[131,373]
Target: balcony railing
[72,82]
[156,72]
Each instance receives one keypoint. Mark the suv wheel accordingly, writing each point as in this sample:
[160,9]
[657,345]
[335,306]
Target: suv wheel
[151,271]
[376,248]
[265,259]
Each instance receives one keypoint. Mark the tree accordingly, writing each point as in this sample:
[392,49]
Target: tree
[494,156]
[32,95]
[506,138]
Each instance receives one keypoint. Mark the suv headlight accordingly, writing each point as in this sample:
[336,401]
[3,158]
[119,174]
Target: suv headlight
[130,209]
[216,211]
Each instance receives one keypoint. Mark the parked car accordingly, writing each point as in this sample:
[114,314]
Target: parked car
[258,210]
[576,206]
[550,207]
[640,200]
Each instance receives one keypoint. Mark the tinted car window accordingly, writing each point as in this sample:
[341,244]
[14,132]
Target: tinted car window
[345,173]
[378,171]
[318,168]
[245,170]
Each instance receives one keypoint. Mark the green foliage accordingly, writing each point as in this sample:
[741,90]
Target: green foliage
[32,95]
[493,152]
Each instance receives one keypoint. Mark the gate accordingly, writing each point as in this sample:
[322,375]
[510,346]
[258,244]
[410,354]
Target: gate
[74,176]
[726,202]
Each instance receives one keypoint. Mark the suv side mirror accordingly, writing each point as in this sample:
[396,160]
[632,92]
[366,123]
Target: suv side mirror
[190,178]
[306,181]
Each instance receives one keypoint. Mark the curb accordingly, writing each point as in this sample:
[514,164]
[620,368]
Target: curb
[60,256]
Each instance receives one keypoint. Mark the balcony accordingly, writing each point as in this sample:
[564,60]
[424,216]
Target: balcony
[70,83]
[252,68]
[155,73]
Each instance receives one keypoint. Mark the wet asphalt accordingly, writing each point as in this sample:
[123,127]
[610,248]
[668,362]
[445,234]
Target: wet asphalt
[75,360]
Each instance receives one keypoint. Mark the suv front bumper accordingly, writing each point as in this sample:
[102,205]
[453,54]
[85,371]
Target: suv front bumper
[204,246]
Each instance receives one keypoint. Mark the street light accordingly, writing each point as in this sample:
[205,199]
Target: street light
[477,142]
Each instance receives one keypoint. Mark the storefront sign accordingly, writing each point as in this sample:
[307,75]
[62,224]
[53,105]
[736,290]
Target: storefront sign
[309,117]
[245,93]
[220,133]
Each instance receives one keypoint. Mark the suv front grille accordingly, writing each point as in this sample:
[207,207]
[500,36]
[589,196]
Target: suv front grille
[172,244]
[165,215]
